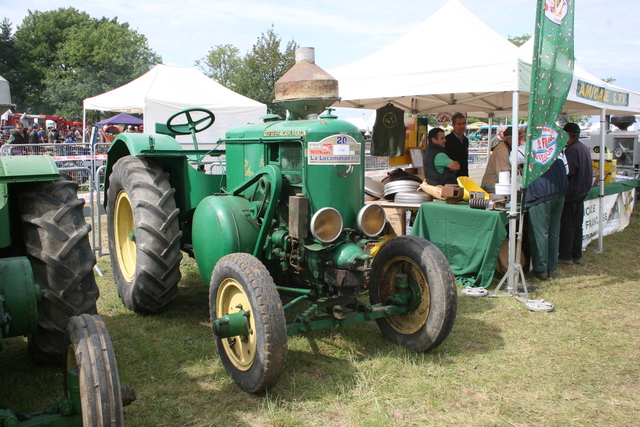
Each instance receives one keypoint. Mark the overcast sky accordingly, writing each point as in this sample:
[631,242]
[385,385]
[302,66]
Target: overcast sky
[607,33]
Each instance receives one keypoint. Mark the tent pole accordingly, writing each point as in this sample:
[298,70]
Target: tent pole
[512,284]
[489,134]
[84,123]
[603,113]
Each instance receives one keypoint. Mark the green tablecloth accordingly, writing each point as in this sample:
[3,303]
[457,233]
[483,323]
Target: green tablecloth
[613,188]
[470,239]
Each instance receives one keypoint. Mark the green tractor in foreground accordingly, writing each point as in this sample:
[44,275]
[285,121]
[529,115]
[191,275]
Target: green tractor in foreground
[285,228]
[48,293]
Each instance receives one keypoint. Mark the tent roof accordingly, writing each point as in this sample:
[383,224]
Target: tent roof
[577,103]
[169,84]
[121,119]
[480,84]
[406,74]
[5,94]
[167,89]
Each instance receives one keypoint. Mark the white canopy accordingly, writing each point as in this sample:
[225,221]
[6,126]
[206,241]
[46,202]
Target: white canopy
[406,74]
[5,95]
[167,89]
[588,94]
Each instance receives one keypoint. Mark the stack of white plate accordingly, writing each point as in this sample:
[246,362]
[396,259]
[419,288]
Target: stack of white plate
[373,188]
[401,186]
[412,197]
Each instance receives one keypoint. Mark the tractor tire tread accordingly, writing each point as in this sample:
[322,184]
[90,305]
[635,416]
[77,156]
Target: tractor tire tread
[158,236]
[57,244]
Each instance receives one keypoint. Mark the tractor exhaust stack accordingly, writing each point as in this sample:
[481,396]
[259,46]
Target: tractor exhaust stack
[306,90]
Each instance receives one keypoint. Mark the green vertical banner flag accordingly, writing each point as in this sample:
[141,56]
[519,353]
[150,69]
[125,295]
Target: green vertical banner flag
[551,75]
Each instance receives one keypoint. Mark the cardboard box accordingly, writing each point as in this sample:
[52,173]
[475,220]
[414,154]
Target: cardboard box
[396,218]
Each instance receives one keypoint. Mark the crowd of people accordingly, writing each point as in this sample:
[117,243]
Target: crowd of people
[35,134]
[554,200]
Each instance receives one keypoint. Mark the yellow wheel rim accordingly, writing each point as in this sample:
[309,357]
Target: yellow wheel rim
[124,237]
[241,350]
[413,321]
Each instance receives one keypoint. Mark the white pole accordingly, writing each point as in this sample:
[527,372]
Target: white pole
[512,273]
[603,113]
[489,134]
[84,124]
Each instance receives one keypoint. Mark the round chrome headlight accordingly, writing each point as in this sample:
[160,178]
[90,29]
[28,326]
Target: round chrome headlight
[371,220]
[326,225]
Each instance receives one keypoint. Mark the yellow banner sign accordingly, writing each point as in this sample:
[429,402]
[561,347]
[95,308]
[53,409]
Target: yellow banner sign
[601,94]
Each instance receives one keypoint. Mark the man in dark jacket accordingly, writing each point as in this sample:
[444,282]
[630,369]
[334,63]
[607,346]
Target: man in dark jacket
[457,143]
[33,136]
[439,169]
[580,179]
[545,199]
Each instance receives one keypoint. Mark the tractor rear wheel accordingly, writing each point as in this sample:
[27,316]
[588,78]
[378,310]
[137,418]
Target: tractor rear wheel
[57,245]
[144,236]
[429,273]
[255,361]
[90,351]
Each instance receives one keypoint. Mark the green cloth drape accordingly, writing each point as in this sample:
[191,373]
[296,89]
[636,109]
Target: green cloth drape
[470,239]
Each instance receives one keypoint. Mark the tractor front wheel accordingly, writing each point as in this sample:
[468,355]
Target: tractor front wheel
[430,278]
[254,361]
[144,235]
[90,352]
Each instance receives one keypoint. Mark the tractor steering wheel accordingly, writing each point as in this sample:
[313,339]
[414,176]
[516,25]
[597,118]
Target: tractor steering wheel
[192,126]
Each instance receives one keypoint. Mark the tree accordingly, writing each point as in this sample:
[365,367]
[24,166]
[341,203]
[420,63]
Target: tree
[66,56]
[254,75]
[38,38]
[94,59]
[519,40]
[221,64]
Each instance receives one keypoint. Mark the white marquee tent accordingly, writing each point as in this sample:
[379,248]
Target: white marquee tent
[5,95]
[167,89]
[407,74]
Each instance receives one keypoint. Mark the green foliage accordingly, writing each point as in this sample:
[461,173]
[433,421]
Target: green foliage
[94,59]
[519,40]
[65,55]
[221,64]
[255,74]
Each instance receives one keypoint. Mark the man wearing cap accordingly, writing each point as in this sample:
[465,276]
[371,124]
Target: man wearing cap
[580,179]
[439,169]
[499,161]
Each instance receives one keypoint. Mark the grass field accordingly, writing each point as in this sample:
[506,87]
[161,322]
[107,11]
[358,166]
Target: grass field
[502,365]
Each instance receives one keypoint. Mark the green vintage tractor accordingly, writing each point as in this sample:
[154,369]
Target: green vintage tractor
[48,293]
[281,237]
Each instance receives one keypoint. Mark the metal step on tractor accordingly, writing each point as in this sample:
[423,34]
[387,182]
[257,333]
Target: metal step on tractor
[48,293]
[282,238]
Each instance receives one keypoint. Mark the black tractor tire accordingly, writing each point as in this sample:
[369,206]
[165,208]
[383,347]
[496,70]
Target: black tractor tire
[425,327]
[144,235]
[256,361]
[90,351]
[57,245]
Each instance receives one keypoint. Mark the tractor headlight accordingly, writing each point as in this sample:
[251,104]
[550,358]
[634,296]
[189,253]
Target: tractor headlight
[371,220]
[326,225]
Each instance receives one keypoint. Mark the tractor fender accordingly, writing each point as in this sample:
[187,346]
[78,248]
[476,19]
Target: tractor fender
[135,144]
[221,226]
